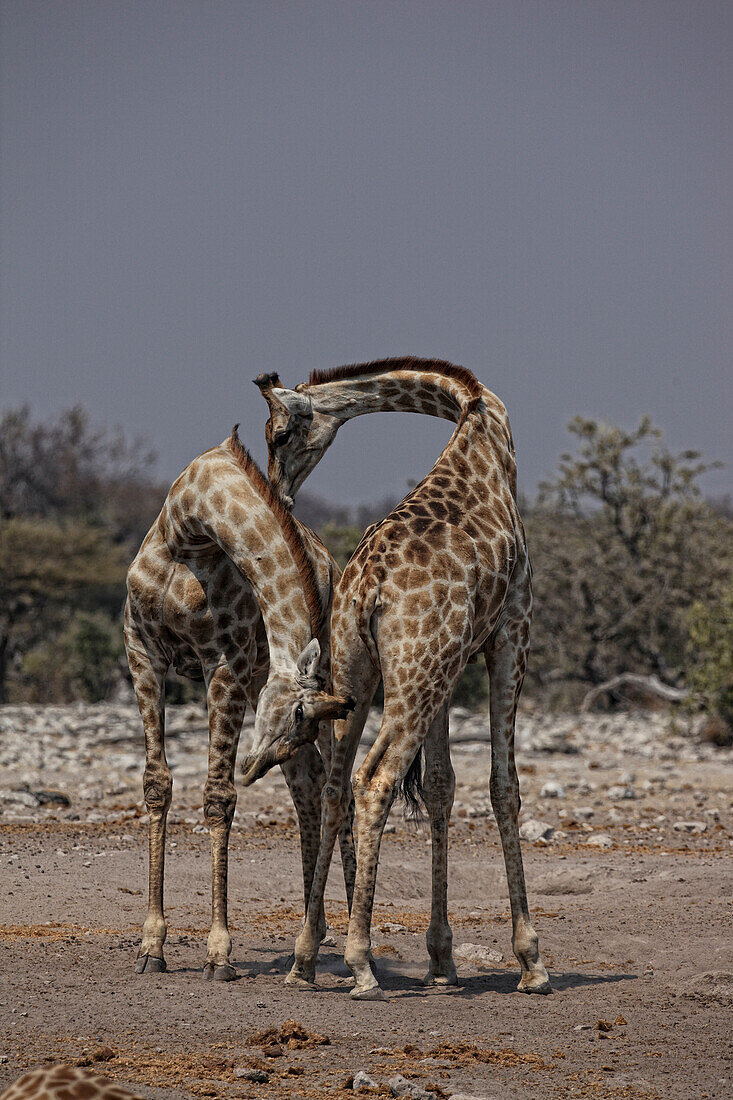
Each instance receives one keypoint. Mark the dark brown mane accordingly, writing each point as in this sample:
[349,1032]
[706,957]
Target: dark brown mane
[435,366]
[290,531]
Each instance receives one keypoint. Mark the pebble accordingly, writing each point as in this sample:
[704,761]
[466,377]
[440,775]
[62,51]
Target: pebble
[258,1076]
[390,926]
[599,840]
[552,790]
[363,1082]
[400,1086]
[3,1059]
[584,813]
[618,794]
[689,826]
[475,953]
[533,830]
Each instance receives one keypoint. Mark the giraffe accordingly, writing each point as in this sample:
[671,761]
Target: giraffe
[62,1082]
[228,587]
[444,577]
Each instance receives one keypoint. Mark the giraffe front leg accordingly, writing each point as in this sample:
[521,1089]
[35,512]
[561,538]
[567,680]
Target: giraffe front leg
[439,788]
[335,798]
[347,846]
[506,671]
[226,703]
[304,775]
[149,682]
[373,802]
[348,849]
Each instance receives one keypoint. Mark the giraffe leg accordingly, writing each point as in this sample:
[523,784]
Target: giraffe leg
[438,789]
[346,832]
[304,774]
[149,683]
[373,802]
[506,658]
[348,849]
[335,800]
[226,701]
[375,785]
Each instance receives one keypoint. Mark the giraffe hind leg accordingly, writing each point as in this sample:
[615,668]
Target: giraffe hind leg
[506,658]
[438,791]
[226,701]
[149,683]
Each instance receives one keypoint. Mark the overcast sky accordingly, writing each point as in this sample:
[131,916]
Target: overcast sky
[194,192]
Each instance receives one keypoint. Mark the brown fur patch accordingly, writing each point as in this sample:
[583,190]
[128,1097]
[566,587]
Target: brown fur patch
[410,362]
[288,525]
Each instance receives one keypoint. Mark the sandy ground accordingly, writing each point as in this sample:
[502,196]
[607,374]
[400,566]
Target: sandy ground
[636,936]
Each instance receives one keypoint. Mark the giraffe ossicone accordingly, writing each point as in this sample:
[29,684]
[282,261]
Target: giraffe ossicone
[445,576]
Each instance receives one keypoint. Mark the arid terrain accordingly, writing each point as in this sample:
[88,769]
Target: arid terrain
[629,883]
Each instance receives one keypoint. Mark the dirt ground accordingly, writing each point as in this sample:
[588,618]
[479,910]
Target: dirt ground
[636,937]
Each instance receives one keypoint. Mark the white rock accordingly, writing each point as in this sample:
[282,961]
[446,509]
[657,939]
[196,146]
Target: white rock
[533,830]
[475,953]
[584,813]
[552,790]
[618,794]
[363,1082]
[599,840]
[400,1086]
[689,826]
[22,798]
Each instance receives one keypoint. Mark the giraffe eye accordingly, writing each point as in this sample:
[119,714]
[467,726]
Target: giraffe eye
[299,713]
[282,437]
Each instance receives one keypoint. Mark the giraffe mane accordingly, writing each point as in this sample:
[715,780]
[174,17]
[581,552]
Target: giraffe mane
[410,362]
[288,525]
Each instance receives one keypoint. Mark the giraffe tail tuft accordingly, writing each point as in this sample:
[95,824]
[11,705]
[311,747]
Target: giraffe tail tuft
[410,790]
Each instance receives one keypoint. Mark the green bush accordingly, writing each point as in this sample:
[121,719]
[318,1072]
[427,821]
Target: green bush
[710,654]
[80,662]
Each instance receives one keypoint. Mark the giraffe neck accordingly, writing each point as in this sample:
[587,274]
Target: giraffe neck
[216,502]
[391,390]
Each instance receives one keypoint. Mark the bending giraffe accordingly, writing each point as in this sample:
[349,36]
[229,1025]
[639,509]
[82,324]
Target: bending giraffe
[444,577]
[228,587]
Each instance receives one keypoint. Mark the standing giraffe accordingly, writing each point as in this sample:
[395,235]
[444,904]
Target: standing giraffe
[225,581]
[444,576]
[62,1082]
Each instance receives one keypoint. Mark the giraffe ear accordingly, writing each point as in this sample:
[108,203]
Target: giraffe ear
[308,663]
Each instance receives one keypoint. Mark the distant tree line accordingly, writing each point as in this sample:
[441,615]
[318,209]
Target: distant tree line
[633,568]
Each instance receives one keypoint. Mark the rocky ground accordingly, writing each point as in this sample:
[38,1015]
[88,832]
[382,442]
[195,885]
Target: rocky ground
[627,837]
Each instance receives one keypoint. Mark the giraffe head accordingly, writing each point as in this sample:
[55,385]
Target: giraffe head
[290,709]
[297,435]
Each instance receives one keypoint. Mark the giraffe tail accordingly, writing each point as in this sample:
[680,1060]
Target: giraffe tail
[411,791]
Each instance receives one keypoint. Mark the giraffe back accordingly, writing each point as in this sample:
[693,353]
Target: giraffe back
[63,1082]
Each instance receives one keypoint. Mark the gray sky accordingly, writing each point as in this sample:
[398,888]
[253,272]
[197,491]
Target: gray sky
[194,192]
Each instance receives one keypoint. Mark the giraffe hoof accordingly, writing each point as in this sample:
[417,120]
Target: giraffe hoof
[219,972]
[535,983]
[300,981]
[367,993]
[150,964]
[441,979]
